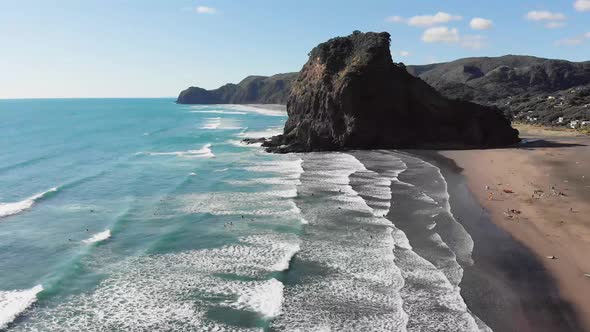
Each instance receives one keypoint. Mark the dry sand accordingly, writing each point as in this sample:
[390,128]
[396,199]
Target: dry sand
[540,194]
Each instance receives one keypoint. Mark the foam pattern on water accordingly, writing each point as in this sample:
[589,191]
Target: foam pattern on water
[352,283]
[9,209]
[280,177]
[174,291]
[204,152]
[12,303]
[428,260]
[98,237]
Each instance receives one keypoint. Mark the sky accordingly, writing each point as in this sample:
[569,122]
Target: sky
[156,48]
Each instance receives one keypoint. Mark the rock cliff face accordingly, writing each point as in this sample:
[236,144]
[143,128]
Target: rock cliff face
[528,88]
[251,90]
[351,95]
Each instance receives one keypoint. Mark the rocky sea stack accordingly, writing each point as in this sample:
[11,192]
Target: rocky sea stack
[350,95]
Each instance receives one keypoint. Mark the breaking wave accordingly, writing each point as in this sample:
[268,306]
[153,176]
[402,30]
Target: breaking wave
[204,152]
[8,209]
[156,292]
[272,131]
[221,123]
[98,237]
[13,303]
[219,112]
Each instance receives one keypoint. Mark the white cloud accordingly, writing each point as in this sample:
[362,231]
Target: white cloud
[404,53]
[452,36]
[575,41]
[544,16]
[479,23]
[474,42]
[441,35]
[430,20]
[206,10]
[425,20]
[582,5]
[569,42]
[395,19]
[555,25]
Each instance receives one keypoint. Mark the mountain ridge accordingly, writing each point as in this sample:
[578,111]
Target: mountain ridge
[254,89]
[527,88]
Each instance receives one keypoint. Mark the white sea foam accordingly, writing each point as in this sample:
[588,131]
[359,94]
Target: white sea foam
[219,112]
[157,292]
[8,209]
[244,145]
[221,123]
[290,251]
[204,152]
[460,241]
[272,131]
[265,298]
[359,284]
[426,198]
[282,176]
[13,303]
[431,278]
[212,123]
[265,203]
[268,110]
[98,237]
[287,180]
[371,278]
[221,170]
[291,167]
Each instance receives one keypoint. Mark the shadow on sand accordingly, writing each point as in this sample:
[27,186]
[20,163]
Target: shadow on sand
[529,143]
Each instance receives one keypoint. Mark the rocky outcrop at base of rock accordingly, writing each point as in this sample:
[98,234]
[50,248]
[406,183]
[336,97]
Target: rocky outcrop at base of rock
[350,95]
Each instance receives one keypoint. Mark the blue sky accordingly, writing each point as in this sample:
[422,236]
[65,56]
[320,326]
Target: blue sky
[155,48]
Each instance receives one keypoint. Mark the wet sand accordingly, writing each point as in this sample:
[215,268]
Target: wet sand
[531,259]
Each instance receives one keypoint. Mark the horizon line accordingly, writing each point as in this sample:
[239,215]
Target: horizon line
[56,98]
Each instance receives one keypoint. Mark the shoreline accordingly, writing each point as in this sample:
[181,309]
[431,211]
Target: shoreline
[507,287]
[534,201]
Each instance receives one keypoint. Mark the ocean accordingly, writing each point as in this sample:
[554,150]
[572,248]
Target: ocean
[146,215]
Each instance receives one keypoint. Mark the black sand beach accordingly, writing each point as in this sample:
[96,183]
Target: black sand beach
[507,286]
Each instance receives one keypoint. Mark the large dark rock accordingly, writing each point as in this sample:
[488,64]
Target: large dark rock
[251,90]
[528,88]
[350,95]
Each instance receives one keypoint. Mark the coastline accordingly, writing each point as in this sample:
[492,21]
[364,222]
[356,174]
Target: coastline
[530,263]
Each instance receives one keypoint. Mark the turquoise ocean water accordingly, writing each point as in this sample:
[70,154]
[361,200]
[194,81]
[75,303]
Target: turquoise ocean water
[145,215]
